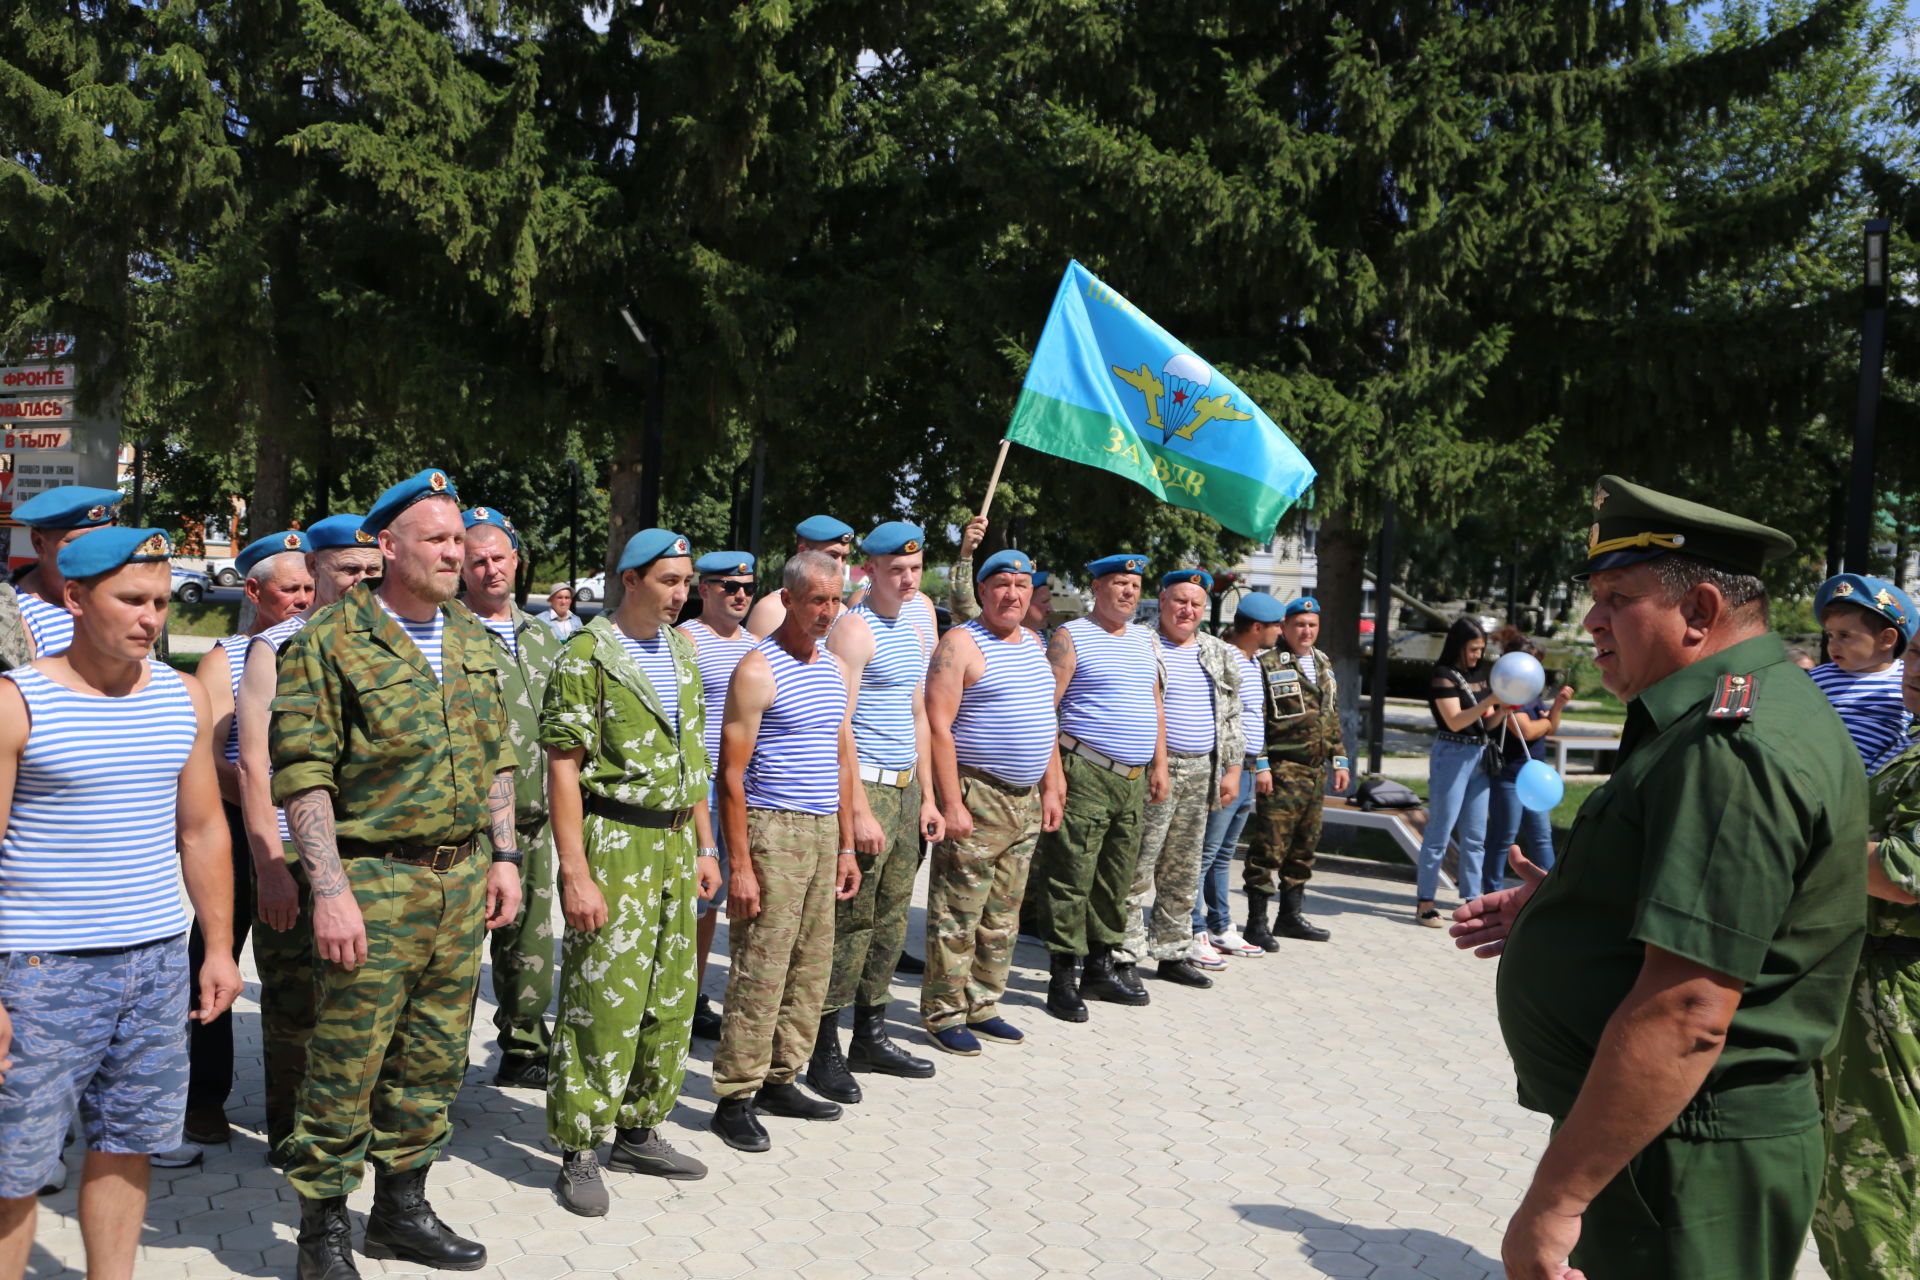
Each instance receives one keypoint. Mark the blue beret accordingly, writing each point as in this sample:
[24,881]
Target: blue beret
[343,530]
[648,545]
[492,516]
[894,538]
[824,529]
[1198,577]
[1875,595]
[1125,562]
[71,506]
[431,483]
[1258,606]
[272,545]
[1040,578]
[724,564]
[1008,561]
[105,550]
[1305,604]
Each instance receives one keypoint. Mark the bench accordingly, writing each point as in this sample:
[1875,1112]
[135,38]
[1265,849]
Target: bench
[1563,743]
[1407,827]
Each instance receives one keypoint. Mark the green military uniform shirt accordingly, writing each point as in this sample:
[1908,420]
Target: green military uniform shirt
[408,759]
[523,683]
[1735,842]
[599,701]
[1303,716]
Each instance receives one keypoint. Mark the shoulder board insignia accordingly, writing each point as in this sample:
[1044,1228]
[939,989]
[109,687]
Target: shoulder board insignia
[1733,698]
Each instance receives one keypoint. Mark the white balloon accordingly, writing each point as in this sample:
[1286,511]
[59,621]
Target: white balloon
[1517,678]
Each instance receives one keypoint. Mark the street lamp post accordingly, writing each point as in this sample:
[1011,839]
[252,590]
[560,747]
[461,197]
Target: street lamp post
[1873,334]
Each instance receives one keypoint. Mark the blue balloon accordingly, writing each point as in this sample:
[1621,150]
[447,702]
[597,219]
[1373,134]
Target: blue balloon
[1538,786]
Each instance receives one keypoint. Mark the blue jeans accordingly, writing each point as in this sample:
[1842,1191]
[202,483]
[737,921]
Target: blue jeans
[1216,860]
[701,906]
[1457,787]
[1532,828]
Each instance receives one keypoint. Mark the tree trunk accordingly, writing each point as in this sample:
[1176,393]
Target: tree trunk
[270,507]
[623,507]
[1343,555]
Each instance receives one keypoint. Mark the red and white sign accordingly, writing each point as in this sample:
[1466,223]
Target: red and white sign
[21,439]
[44,346]
[15,378]
[49,409]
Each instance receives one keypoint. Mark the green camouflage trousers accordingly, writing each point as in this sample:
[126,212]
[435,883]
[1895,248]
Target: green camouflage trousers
[1285,828]
[870,927]
[781,959]
[1081,873]
[973,904]
[626,990]
[1166,874]
[1868,1221]
[389,1046]
[522,953]
[286,965]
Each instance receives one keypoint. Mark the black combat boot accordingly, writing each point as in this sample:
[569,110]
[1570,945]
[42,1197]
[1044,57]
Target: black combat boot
[734,1120]
[871,1050]
[1100,982]
[1063,989]
[1256,931]
[1288,921]
[326,1239]
[1184,972]
[793,1102]
[827,1069]
[403,1225]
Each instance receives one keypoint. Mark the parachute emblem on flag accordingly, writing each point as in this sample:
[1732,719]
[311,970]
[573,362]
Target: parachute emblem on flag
[1176,400]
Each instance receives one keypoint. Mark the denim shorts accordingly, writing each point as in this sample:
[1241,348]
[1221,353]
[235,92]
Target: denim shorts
[701,906]
[106,1034]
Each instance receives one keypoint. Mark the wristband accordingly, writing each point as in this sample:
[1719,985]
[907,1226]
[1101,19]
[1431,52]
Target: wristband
[1341,762]
[513,856]
[1263,765]
[707,853]
[849,853]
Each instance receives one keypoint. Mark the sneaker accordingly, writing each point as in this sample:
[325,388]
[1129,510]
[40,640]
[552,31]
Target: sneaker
[645,1151]
[997,1028]
[1231,943]
[706,1023]
[518,1072]
[184,1156]
[1429,918]
[208,1126]
[1203,954]
[579,1185]
[956,1040]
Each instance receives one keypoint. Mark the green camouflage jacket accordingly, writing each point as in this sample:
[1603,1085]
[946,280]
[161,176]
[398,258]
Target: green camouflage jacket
[1893,818]
[600,701]
[523,683]
[408,759]
[1303,716]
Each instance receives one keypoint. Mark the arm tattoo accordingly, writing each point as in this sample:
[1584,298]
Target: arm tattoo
[310,821]
[500,810]
[942,657]
[1059,650]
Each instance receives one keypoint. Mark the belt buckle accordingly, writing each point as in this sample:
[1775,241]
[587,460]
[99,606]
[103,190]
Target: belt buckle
[444,856]
[1134,771]
[680,817]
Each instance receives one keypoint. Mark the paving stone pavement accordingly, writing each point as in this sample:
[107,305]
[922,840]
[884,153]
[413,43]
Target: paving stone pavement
[1343,1109]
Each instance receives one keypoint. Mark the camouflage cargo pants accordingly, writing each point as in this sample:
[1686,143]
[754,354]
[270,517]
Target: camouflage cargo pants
[522,953]
[389,1046]
[286,964]
[870,927]
[1285,829]
[782,958]
[973,904]
[626,989]
[1167,872]
[1081,873]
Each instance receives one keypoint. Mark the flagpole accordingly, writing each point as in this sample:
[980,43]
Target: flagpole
[994,483]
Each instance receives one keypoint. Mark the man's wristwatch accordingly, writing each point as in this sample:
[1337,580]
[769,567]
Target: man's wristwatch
[707,853]
[513,856]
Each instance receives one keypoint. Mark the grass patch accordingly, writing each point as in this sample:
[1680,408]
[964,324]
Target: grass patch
[208,618]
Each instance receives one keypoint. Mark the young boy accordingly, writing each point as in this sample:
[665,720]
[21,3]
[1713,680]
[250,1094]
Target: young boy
[1868,622]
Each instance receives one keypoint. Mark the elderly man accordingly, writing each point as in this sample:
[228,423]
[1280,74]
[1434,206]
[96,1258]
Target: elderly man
[522,951]
[1668,989]
[53,519]
[560,616]
[822,535]
[391,759]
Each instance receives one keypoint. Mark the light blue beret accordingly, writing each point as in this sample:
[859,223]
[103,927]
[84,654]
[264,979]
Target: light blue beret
[1198,577]
[343,530]
[824,529]
[104,550]
[725,564]
[492,516]
[1124,562]
[1875,595]
[1008,561]
[1305,604]
[1258,606]
[272,545]
[648,545]
[1041,577]
[71,506]
[894,538]
[421,485]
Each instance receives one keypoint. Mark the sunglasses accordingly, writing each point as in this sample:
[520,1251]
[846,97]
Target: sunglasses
[729,588]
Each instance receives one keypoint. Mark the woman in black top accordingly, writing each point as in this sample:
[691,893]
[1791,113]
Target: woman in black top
[1461,767]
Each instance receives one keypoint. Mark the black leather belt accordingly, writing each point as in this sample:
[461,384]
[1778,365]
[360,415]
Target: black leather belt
[435,857]
[1893,945]
[636,816]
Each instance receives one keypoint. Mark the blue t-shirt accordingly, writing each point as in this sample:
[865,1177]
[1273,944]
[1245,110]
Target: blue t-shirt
[1869,704]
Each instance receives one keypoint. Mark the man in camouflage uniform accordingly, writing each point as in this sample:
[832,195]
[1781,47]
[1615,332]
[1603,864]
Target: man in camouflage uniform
[523,950]
[390,755]
[623,727]
[1303,735]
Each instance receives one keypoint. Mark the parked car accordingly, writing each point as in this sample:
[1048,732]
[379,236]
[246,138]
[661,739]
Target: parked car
[587,590]
[190,585]
[223,572]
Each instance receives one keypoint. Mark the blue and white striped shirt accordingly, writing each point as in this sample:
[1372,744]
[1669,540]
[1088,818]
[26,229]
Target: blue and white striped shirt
[275,638]
[236,650]
[49,625]
[1253,714]
[655,658]
[796,757]
[717,656]
[1189,699]
[503,629]
[884,735]
[1869,704]
[90,858]
[1005,724]
[1109,702]
[425,635]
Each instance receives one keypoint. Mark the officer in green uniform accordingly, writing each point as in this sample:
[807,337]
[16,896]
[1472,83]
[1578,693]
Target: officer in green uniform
[523,960]
[389,747]
[1667,990]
